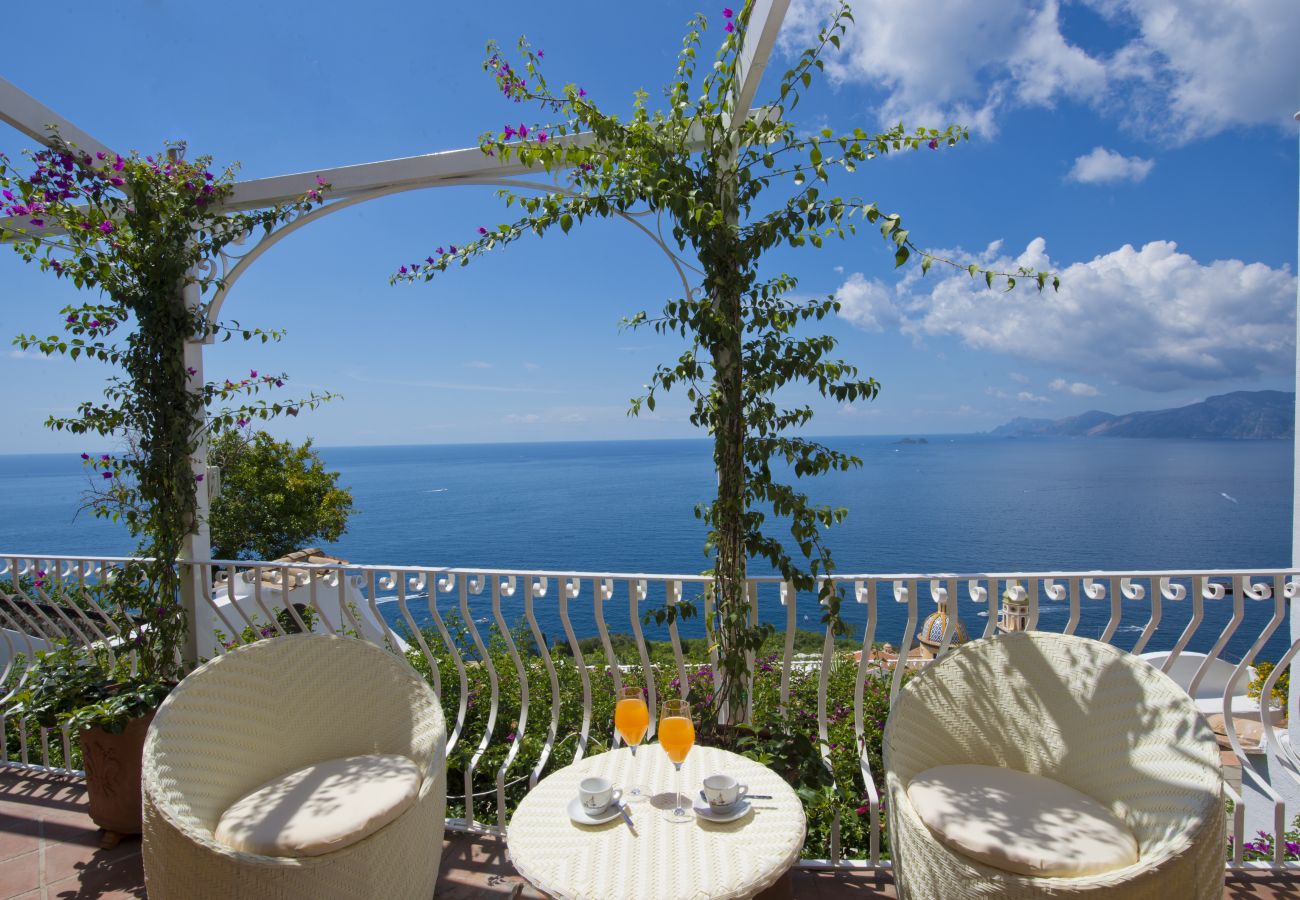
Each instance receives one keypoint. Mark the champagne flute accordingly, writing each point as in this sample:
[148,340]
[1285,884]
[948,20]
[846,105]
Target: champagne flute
[632,719]
[676,736]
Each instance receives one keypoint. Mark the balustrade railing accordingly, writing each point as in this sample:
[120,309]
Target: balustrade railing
[528,663]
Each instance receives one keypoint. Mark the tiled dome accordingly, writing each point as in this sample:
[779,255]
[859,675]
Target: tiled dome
[931,632]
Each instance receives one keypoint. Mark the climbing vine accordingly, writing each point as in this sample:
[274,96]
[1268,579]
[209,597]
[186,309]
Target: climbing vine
[706,175]
[140,233]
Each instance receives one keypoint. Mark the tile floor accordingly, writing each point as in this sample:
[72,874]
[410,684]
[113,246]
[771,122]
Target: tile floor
[49,850]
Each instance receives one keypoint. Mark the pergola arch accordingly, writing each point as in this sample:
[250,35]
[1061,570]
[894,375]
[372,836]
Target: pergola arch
[236,266]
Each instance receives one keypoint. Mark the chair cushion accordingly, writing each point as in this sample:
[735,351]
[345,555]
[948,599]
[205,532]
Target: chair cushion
[1020,823]
[321,808]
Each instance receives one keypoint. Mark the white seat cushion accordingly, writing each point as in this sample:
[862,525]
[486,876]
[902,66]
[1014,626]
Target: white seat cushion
[1019,822]
[321,808]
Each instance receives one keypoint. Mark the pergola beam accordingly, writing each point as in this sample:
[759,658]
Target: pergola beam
[36,120]
[765,21]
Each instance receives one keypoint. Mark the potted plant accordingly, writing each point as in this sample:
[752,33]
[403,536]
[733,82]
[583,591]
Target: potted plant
[106,694]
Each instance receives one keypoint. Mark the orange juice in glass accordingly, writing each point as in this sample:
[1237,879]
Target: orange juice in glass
[677,736]
[632,719]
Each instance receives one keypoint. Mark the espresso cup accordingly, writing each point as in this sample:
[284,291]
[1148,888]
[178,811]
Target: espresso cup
[723,792]
[597,794]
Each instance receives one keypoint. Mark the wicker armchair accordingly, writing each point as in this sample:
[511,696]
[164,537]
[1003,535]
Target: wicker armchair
[1082,713]
[269,708]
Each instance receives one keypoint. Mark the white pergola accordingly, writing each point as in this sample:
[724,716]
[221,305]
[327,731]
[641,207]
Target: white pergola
[352,185]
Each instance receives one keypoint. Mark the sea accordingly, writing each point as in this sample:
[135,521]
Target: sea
[956,504]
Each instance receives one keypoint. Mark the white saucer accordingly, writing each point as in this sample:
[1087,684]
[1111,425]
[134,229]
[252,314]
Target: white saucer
[582,817]
[704,811]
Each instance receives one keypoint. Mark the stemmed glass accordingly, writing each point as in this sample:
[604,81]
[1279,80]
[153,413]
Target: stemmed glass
[632,719]
[676,736]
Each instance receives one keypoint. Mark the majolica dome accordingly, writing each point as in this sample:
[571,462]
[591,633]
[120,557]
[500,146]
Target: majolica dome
[931,633]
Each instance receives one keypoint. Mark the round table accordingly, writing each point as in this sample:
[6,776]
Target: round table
[656,859]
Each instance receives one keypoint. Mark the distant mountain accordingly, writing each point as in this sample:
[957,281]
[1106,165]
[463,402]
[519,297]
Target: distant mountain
[1241,415]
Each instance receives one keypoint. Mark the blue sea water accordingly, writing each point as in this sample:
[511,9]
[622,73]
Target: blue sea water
[957,504]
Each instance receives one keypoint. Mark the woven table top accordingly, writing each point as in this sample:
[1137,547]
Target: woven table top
[656,859]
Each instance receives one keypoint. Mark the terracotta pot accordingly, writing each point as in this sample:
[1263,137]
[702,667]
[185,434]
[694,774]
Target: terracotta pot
[113,763]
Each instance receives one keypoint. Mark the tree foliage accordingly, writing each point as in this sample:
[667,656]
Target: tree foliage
[141,233]
[275,497]
[728,188]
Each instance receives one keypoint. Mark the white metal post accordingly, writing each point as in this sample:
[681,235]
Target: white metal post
[198,543]
[1293,694]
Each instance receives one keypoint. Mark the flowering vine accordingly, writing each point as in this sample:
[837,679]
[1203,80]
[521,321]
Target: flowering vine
[137,232]
[705,171]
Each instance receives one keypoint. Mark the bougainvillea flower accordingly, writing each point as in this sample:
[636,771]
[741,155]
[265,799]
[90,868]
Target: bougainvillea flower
[523,130]
[541,137]
[482,230]
[726,12]
[106,227]
[934,145]
[582,92]
[108,475]
[729,28]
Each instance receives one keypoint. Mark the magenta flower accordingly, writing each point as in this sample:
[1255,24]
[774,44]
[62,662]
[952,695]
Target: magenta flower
[104,457]
[9,196]
[508,133]
[116,182]
[582,92]
[453,249]
[252,373]
[541,137]
[118,164]
[934,145]
[108,475]
[191,371]
[482,230]
[70,319]
[862,810]
[523,130]
[429,259]
[241,422]
[320,180]
[541,54]
[728,28]
[38,223]
[198,477]
[106,227]
[85,456]
[402,270]
[440,252]
[726,12]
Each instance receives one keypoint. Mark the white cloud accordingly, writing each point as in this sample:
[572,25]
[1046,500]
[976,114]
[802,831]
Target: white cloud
[532,366]
[867,304]
[33,355]
[478,364]
[997,393]
[1077,388]
[1027,397]
[1018,377]
[1191,67]
[1103,166]
[528,419]
[1151,318]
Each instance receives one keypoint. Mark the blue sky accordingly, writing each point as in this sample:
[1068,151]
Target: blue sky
[1142,148]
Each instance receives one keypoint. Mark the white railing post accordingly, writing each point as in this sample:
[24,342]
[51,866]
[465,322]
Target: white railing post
[1293,693]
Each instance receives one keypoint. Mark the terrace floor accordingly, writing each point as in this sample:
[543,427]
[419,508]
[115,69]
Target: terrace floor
[49,850]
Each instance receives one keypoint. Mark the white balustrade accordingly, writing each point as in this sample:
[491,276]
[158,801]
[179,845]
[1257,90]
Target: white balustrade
[473,621]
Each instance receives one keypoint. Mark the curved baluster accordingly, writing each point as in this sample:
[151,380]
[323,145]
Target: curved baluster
[790,600]
[418,636]
[904,592]
[1134,591]
[940,594]
[674,589]
[1198,613]
[1216,592]
[865,592]
[980,594]
[636,592]
[823,727]
[569,590]
[602,590]
[446,585]
[538,589]
[521,724]
[468,584]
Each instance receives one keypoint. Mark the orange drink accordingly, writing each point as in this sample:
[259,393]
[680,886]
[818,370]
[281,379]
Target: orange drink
[676,736]
[632,718]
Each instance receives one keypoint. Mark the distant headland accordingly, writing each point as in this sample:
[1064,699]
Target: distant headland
[1240,416]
